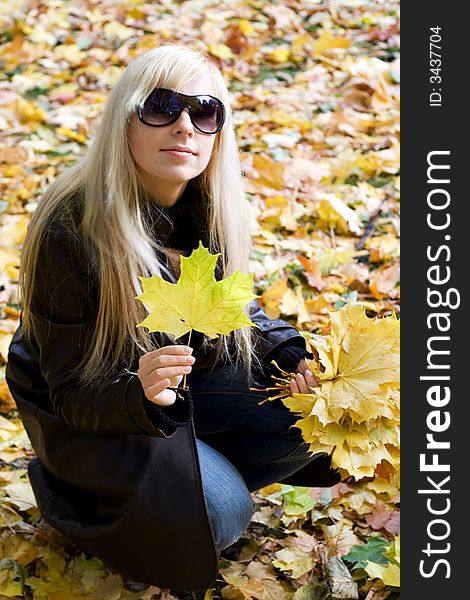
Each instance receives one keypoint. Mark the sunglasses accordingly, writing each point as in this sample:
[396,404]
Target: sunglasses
[163,107]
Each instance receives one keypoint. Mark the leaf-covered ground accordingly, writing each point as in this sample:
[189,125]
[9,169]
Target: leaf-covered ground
[315,89]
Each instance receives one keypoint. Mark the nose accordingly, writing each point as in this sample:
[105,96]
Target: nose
[183,122]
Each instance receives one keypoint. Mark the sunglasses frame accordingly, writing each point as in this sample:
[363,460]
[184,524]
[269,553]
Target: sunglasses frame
[185,104]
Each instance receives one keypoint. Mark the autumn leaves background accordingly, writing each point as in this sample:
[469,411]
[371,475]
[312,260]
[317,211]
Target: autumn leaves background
[315,92]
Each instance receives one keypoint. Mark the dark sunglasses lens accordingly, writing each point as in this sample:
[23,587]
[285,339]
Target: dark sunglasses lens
[163,107]
[207,113]
[160,108]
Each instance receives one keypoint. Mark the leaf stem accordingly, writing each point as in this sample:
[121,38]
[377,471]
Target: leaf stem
[187,343]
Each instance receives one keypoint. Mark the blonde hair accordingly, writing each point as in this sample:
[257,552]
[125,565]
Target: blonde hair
[106,184]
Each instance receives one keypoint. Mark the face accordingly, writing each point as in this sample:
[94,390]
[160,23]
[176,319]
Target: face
[163,173]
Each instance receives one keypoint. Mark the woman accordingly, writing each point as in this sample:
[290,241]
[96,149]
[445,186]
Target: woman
[119,469]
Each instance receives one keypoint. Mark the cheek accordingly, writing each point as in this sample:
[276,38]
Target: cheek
[140,143]
[136,144]
[142,152]
[206,152]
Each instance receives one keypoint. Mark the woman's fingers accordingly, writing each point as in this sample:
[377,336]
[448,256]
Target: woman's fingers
[168,356]
[160,395]
[154,390]
[170,372]
[176,349]
[298,385]
[294,388]
[303,383]
[311,380]
[162,368]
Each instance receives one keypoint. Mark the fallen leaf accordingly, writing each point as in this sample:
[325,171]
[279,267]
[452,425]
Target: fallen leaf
[384,517]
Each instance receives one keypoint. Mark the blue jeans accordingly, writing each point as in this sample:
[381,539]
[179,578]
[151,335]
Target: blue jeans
[242,446]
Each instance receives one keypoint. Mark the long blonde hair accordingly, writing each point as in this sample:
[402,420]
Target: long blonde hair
[106,183]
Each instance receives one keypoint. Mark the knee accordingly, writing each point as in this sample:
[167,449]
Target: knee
[230,516]
[230,508]
[229,503]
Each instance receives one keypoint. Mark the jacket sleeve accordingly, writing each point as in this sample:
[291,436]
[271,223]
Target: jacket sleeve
[288,357]
[63,315]
[273,334]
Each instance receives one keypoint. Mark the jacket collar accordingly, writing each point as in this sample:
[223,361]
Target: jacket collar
[162,218]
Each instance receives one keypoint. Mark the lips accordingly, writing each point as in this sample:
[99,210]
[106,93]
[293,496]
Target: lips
[185,150]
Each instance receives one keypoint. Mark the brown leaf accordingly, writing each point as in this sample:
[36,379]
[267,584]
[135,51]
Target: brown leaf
[384,280]
[340,580]
[378,591]
[384,517]
[312,272]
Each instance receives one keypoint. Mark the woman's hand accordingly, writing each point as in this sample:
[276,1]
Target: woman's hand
[161,368]
[304,381]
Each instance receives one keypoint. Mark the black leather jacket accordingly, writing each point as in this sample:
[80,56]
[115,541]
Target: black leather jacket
[108,475]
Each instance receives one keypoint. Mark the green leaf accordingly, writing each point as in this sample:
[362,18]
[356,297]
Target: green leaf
[373,551]
[298,501]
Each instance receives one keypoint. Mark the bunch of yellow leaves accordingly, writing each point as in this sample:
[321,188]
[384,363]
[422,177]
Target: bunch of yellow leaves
[354,412]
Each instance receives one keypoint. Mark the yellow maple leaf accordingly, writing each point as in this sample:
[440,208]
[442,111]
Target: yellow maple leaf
[272,296]
[299,404]
[246,27]
[13,230]
[326,41]
[334,212]
[393,551]
[295,560]
[279,55]
[389,574]
[271,173]
[30,111]
[358,463]
[354,412]
[73,135]
[220,50]
[10,261]
[197,300]
[359,356]
[331,258]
